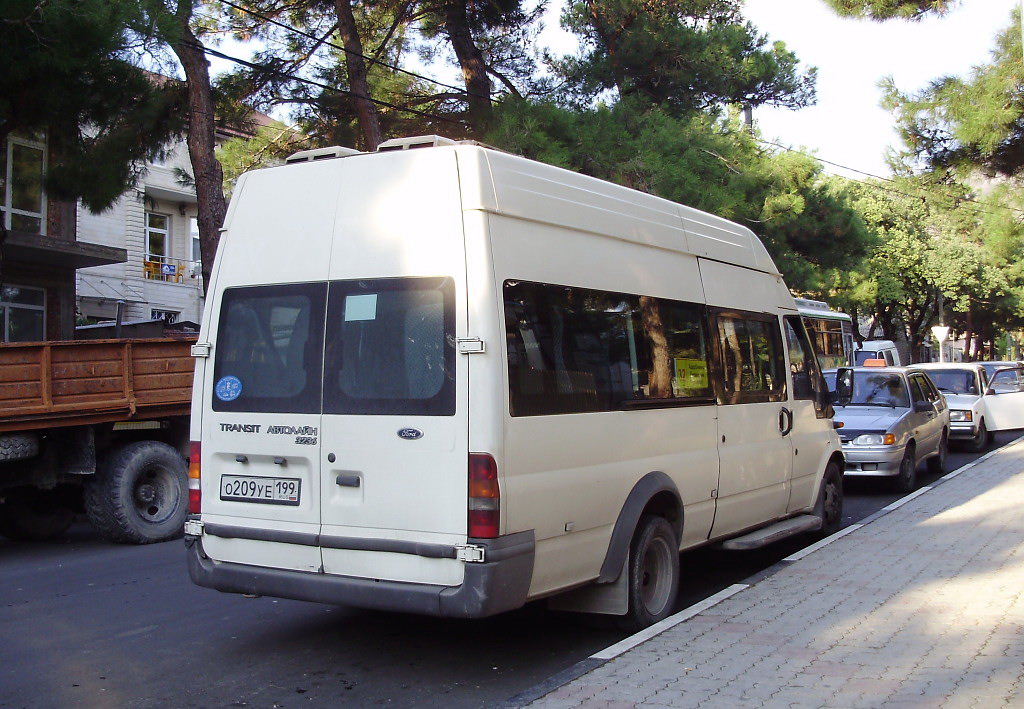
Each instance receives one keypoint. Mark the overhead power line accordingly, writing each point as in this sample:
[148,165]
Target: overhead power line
[976,205]
[373,60]
[263,67]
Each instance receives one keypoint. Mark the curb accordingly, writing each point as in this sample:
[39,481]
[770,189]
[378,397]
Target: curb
[611,652]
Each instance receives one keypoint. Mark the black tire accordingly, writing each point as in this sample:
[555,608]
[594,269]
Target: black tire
[937,463]
[35,515]
[906,479]
[653,569]
[829,506]
[139,494]
[18,446]
[979,442]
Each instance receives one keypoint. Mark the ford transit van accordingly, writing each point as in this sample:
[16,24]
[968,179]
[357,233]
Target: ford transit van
[447,380]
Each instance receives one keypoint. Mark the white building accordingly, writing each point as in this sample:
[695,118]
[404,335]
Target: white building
[156,224]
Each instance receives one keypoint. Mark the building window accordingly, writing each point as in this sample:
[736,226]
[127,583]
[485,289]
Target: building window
[157,237]
[197,253]
[22,202]
[24,313]
[158,265]
[168,316]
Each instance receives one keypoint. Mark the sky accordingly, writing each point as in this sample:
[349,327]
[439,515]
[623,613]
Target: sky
[847,126]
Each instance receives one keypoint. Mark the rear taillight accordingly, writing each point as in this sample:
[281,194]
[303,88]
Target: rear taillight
[484,497]
[195,494]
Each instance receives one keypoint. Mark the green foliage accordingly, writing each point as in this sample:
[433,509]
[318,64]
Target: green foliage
[269,146]
[65,73]
[891,9]
[682,56]
[710,164]
[967,124]
[931,239]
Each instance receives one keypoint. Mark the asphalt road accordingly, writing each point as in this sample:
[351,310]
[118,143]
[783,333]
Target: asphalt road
[87,623]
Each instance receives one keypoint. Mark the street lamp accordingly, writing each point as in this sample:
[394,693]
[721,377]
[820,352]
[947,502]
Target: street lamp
[941,332]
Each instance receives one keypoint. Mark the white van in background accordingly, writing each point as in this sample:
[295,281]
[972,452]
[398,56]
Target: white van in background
[884,350]
[447,380]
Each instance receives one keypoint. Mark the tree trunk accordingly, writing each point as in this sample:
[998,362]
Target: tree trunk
[660,381]
[207,173]
[968,336]
[471,60]
[355,65]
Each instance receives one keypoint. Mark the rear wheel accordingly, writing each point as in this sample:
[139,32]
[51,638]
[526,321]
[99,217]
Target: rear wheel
[937,463]
[140,494]
[906,480]
[35,515]
[653,570]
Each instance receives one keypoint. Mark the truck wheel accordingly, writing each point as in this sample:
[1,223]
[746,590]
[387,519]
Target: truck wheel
[140,494]
[653,569]
[18,446]
[830,501]
[35,516]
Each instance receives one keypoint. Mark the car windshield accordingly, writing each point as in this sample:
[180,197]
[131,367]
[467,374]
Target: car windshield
[876,389]
[955,381]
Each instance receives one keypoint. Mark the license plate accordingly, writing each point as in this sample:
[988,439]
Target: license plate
[271,491]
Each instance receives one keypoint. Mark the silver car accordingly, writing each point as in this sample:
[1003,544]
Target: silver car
[892,418]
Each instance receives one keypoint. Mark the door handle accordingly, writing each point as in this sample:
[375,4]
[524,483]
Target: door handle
[348,480]
[785,421]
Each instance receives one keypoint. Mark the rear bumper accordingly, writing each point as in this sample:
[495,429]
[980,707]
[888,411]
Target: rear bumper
[499,584]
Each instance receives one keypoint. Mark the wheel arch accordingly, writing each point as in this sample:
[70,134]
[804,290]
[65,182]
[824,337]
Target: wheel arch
[654,493]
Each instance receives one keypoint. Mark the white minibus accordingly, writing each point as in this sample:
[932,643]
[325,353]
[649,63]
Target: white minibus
[447,380]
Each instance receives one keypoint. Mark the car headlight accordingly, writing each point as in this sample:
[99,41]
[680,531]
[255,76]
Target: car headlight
[960,415]
[874,439]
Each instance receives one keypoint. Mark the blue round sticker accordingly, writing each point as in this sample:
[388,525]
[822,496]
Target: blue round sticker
[228,388]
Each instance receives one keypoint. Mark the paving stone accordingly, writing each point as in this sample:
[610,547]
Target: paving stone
[920,608]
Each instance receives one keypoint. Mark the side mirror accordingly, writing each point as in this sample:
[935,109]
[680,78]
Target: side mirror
[923,407]
[844,385]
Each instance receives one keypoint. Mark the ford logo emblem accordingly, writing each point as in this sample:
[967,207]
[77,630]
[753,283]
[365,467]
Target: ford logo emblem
[410,434]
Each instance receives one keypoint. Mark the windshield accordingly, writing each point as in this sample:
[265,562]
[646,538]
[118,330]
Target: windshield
[876,389]
[955,381]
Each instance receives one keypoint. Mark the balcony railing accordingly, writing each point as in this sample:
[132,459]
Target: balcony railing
[170,270]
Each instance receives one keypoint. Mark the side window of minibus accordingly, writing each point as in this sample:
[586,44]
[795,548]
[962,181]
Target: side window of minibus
[808,383]
[578,350]
[753,367]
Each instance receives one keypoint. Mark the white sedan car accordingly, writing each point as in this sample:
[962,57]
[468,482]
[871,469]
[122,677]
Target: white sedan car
[979,404]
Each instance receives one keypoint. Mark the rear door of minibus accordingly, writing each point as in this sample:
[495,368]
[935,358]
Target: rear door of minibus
[395,420]
[261,396]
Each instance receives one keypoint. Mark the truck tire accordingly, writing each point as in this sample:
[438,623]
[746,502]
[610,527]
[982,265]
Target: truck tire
[139,494]
[36,515]
[18,446]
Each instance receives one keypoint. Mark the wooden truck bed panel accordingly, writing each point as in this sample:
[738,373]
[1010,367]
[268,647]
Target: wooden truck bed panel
[75,383]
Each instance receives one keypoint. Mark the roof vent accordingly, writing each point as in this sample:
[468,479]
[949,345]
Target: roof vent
[416,141]
[335,151]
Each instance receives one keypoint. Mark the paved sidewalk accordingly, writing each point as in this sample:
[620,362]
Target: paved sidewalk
[921,607]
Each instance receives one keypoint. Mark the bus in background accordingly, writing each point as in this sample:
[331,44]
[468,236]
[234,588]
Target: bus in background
[831,331]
